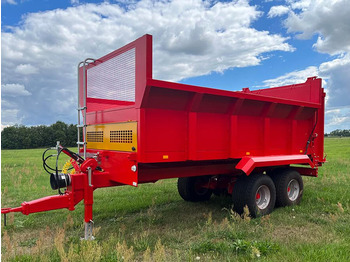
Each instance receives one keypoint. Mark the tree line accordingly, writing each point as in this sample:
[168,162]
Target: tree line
[23,137]
[339,132]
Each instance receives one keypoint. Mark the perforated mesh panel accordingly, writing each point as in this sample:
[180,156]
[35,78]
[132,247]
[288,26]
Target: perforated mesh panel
[94,136]
[113,79]
[121,136]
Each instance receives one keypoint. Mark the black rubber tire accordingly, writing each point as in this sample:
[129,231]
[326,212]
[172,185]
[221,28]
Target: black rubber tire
[188,190]
[282,179]
[245,193]
[217,192]
[220,192]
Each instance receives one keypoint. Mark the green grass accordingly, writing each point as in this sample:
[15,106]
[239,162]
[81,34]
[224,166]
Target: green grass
[152,222]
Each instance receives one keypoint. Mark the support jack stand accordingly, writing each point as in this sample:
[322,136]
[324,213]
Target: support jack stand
[89,226]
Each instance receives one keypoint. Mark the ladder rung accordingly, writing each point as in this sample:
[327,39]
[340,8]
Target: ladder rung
[81,125]
[81,108]
[81,143]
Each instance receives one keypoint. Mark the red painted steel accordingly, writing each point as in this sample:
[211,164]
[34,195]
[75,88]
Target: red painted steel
[78,191]
[185,130]
[248,164]
[180,123]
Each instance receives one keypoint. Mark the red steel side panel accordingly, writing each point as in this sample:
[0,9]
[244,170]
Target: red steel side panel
[310,91]
[165,134]
[193,123]
[184,123]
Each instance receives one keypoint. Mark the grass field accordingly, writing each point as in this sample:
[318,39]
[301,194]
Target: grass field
[152,222]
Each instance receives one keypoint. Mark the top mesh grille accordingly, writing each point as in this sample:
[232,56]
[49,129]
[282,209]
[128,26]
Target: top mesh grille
[113,79]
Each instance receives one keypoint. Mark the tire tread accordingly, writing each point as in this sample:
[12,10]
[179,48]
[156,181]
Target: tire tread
[281,180]
[186,189]
[244,194]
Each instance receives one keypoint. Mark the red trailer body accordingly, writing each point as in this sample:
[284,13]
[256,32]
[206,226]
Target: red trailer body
[180,126]
[138,129]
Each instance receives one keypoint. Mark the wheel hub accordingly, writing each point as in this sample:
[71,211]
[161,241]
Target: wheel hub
[263,197]
[293,190]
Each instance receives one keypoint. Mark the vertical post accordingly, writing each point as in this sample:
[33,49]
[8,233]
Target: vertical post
[294,130]
[192,138]
[192,109]
[233,112]
[233,136]
[79,108]
[267,135]
[88,202]
[84,106]
[293,149]
[266,113]
[320,125]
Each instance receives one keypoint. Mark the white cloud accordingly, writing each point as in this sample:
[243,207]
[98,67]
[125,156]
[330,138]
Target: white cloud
[337,119]
[341,61]
[291,78]
[191,38]
[10,117]
[299,4]
[26,69]
[338,73]
[329,19]
[7,104]
[277,10]
[336,79]
[14,90]
[336,76]
[11,2]
[74,2]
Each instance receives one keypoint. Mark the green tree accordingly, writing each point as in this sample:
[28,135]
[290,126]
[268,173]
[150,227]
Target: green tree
[59,131]
[9,137]
[339,132]
[72,135]
[20,137]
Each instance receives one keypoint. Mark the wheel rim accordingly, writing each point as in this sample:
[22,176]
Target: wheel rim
[263,197]
[293,190]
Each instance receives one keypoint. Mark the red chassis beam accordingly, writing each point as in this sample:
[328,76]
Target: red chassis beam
[67,200]
[78,190]
[82,186]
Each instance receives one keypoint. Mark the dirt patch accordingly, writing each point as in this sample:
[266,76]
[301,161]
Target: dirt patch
[302,234]
[21,243]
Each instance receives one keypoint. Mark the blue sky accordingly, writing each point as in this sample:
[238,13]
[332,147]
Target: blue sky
[227,45]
